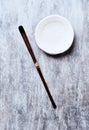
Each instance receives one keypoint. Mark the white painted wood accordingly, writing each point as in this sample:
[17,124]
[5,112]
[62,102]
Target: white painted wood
[24,104]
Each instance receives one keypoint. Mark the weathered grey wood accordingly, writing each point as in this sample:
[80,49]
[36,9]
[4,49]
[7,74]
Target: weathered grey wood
[24,104]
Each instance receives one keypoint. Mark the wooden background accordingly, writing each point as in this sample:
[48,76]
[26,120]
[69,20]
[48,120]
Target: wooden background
[24,104]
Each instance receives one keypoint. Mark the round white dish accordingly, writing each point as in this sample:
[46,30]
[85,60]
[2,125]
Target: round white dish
[54,34]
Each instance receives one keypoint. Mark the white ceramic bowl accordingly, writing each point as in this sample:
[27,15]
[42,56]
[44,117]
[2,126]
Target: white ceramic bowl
[54,34]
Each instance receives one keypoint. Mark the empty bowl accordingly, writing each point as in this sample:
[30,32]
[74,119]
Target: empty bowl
[54,34]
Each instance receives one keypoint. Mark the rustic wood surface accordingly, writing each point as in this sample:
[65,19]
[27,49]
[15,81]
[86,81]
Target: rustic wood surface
[24,104]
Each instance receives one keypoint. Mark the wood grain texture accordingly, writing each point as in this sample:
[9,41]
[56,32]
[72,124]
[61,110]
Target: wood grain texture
[24,104]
